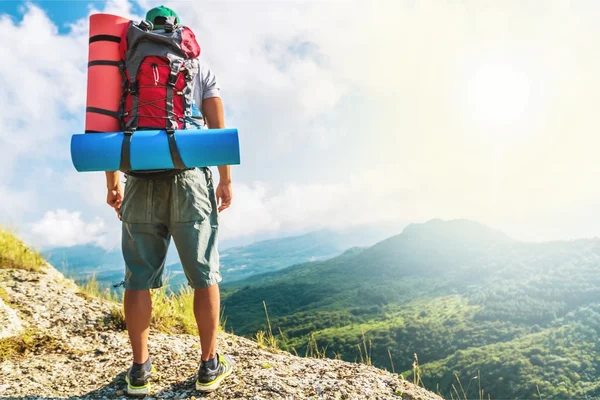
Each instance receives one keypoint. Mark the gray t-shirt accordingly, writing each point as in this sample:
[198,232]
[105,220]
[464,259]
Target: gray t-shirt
[205,86]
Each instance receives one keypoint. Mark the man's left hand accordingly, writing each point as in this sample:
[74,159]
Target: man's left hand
[224,195]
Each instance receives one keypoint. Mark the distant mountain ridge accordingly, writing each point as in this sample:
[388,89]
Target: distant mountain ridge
[81,262]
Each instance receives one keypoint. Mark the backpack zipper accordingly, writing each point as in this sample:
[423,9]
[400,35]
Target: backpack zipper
[155,72]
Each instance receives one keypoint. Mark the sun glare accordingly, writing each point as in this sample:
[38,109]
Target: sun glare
[498,94]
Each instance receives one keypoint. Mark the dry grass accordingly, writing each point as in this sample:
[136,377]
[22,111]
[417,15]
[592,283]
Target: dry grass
[171,312]
[364,352]
[417,381]
[4,296]
[313,350]
[91,288]
[18,346]
[266,339]
[15,254]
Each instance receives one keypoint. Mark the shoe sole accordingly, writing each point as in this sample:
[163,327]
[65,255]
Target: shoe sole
[215,385]
[138,390]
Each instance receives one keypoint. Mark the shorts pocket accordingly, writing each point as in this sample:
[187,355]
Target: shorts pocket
[135,208]
[191,200]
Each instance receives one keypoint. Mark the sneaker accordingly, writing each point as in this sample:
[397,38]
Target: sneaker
[209,379]
[138,378]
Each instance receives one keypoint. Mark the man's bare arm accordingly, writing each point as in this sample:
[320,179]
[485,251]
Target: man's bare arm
[212,110]
[112,180]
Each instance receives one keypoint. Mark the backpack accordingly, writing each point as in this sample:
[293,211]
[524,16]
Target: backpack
[158,69]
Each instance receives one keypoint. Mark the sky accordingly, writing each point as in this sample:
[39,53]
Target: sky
[350,113]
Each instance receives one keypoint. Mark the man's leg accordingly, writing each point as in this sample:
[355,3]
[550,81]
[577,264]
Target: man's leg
[196,245]
[195,226]
[138,312]
[207,303]
[145,240]
[144,250]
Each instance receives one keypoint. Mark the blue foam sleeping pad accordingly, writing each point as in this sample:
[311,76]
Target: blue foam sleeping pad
[150,149]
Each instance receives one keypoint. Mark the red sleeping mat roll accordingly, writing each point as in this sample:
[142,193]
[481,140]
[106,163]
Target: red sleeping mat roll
[104,78]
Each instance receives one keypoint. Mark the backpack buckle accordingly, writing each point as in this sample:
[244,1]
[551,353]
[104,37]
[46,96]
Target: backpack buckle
[170,24]
[133,88]
[172,78]
[146,25]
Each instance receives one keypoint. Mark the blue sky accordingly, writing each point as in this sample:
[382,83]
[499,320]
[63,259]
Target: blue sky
[408,112]
[62,13]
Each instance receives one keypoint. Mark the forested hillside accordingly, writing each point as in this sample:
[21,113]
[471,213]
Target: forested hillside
[467,299]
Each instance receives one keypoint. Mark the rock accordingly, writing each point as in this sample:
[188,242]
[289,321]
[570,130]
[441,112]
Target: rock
[10,324]
[87,349]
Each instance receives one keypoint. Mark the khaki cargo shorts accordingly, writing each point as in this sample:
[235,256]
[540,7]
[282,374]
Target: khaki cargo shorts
[184,207]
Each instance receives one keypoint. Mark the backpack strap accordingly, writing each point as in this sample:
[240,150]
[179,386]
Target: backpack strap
[125,165]
[175,156]
[172,124]
[132,125]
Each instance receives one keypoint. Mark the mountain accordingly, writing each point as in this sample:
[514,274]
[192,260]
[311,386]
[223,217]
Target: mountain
[56,341]
[465,298]
[81,262]
[270,255]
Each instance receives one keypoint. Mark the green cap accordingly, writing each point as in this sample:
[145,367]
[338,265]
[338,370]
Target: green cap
[160,13]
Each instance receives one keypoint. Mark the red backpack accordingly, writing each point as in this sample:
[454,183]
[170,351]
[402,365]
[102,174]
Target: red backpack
[158,70]
[158,67]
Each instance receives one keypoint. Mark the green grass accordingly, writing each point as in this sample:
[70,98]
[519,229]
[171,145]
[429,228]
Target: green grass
[15,254]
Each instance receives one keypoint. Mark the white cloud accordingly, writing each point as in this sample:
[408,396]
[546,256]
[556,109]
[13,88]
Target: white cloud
[348,112]
[14,203]
[42,95]
[367,198]
[64,228]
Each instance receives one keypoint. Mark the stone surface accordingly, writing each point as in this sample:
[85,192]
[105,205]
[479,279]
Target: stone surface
[10,323]
[91,361]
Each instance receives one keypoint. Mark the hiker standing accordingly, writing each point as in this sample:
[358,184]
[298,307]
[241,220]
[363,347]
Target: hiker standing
[180,202]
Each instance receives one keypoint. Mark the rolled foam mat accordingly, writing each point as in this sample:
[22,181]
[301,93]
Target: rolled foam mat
[104,78]
[150,149]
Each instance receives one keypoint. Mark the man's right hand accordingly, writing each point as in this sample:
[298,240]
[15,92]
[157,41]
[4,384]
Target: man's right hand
[114,198]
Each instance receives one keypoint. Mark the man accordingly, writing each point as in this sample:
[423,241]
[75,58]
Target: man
[184,204]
